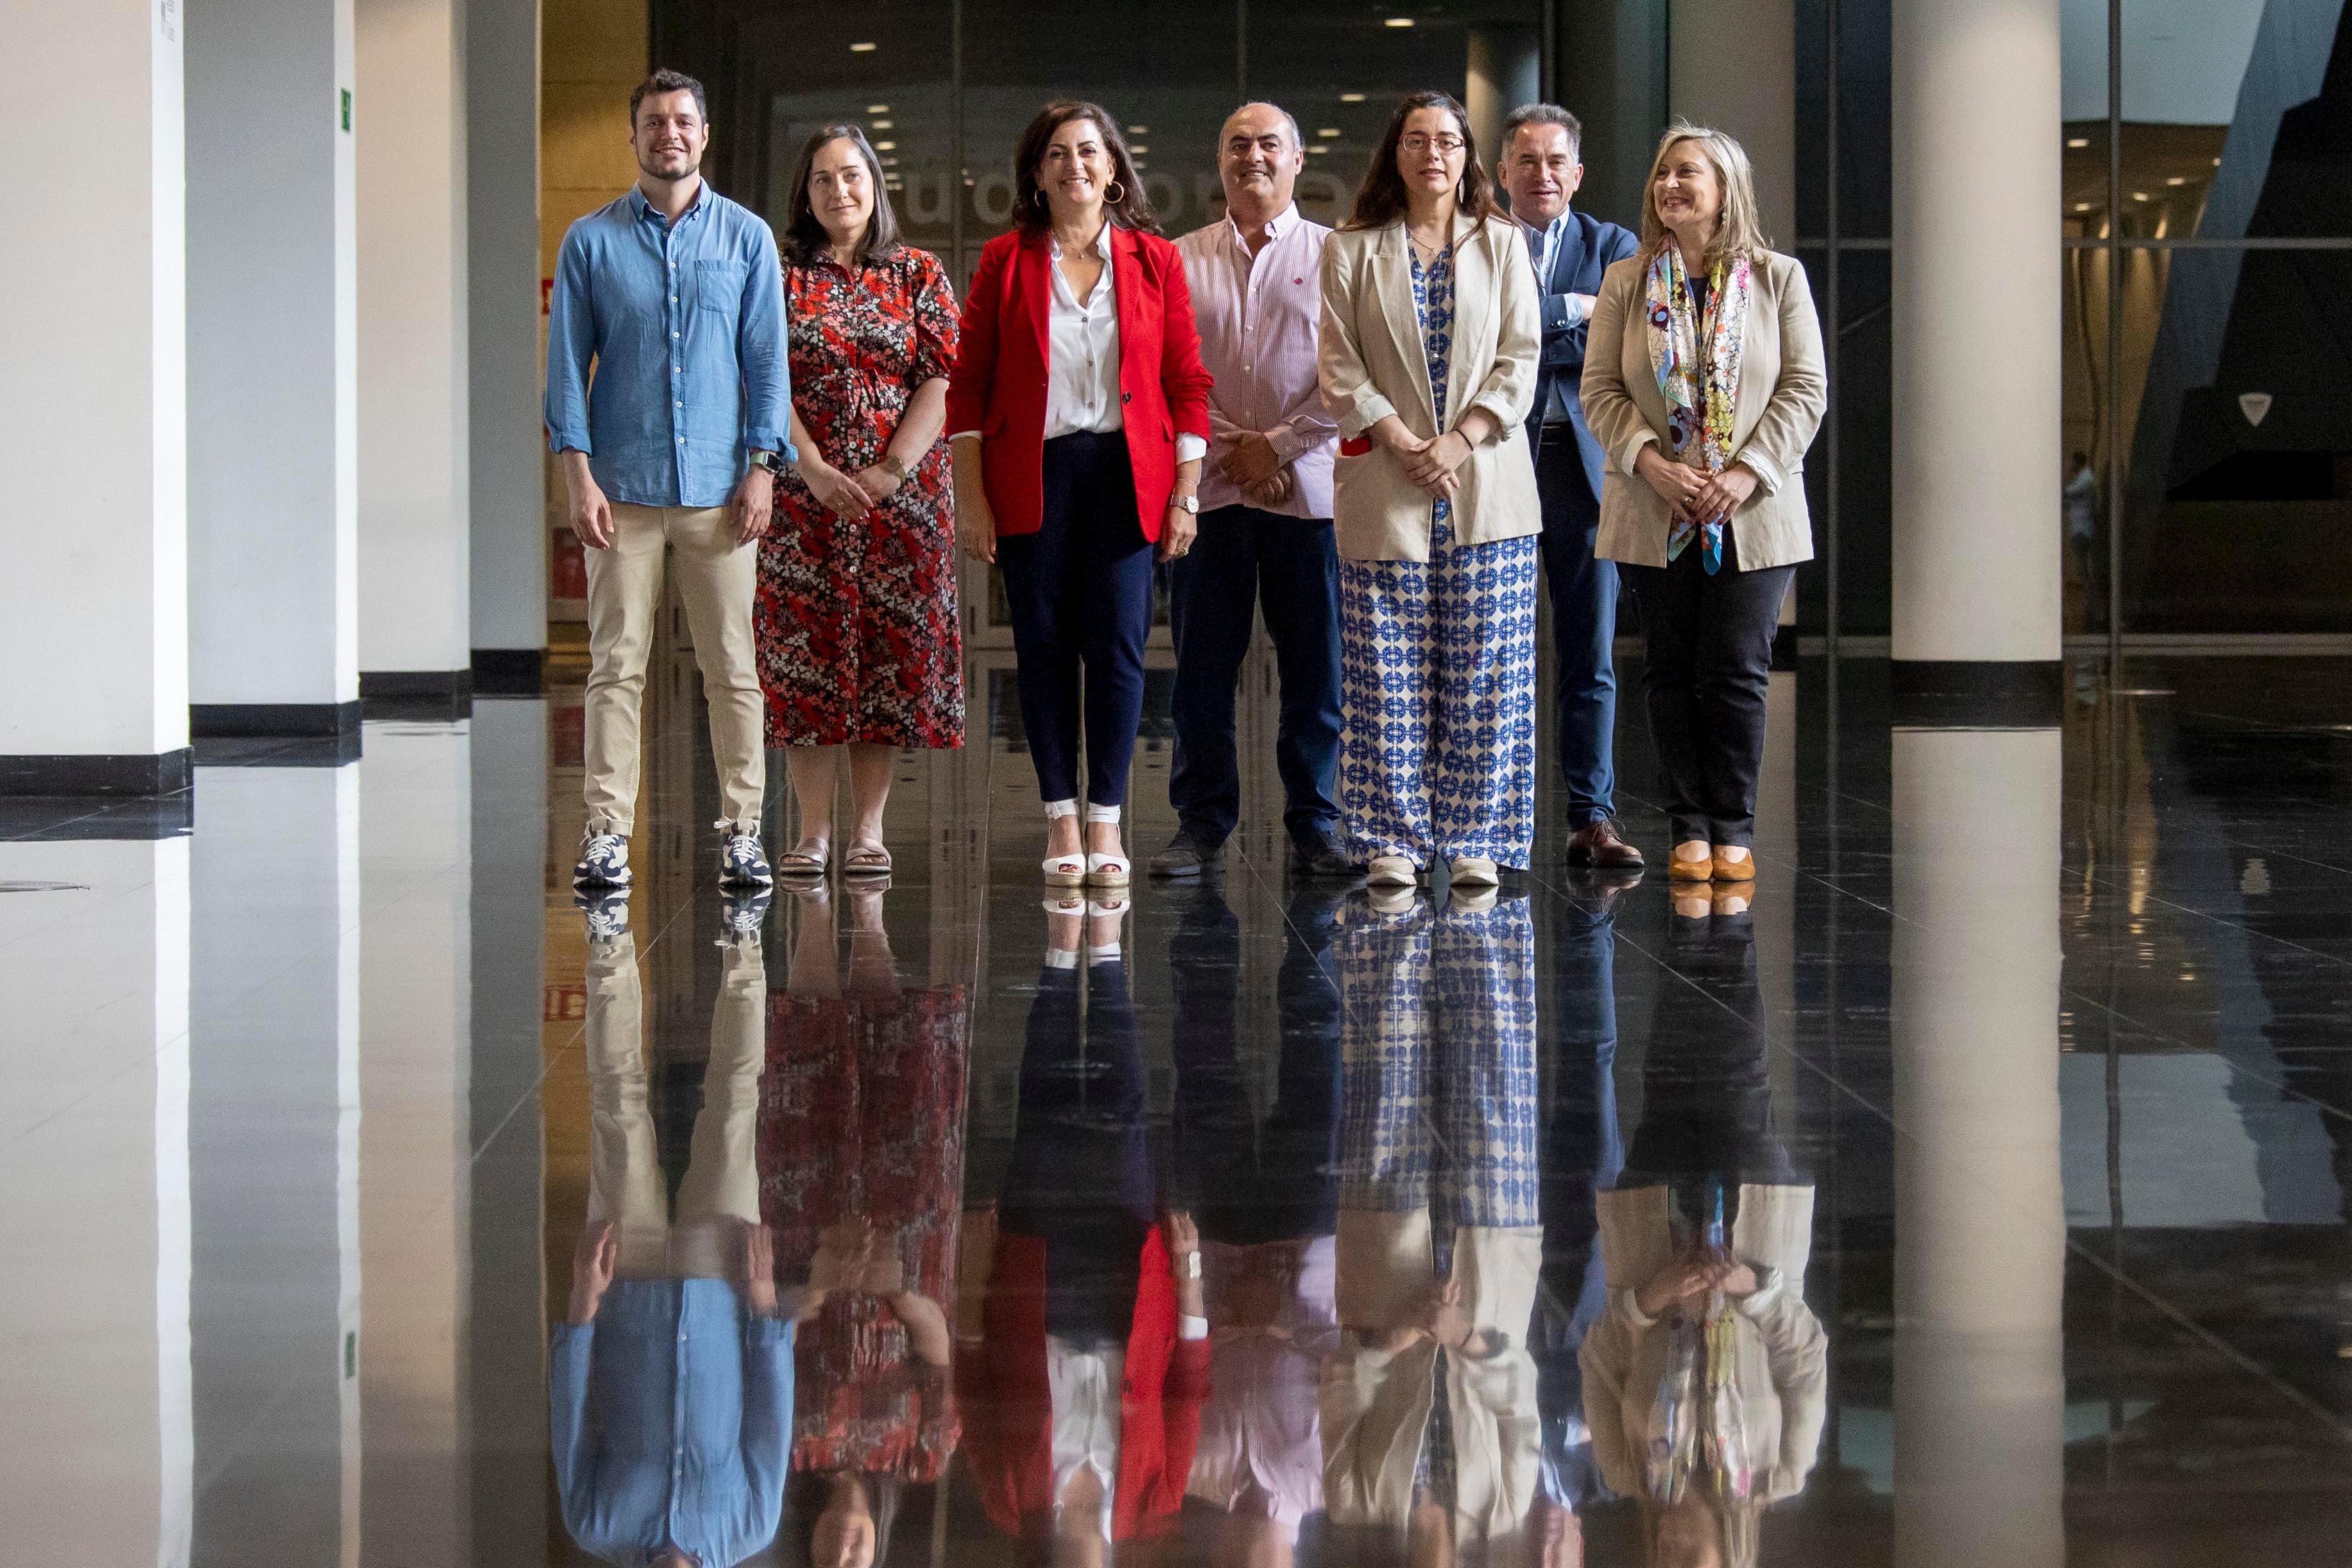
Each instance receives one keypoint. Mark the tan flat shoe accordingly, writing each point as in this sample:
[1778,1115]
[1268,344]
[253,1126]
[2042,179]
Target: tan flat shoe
[1729,870]
[1681,868]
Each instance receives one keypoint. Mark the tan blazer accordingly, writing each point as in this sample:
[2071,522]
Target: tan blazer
[1782,1364]
[1374,1403]
[1783,390]
[1373,363]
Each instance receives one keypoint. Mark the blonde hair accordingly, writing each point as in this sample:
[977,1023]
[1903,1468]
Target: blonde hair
[1737,232]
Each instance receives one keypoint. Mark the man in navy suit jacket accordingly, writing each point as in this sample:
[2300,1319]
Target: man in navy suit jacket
[1571,251]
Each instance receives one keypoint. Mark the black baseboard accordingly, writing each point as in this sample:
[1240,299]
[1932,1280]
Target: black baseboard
[274,718]
[1784,648]
[418,694]
[1977,693]
[509,672]
[163,773]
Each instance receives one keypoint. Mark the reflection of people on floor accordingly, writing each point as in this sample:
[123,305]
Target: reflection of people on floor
[671,1381]
[861,1166]
[1266,1195]
[1088,1357]
[1582,1152]
[1706,1380]
[1431,1433]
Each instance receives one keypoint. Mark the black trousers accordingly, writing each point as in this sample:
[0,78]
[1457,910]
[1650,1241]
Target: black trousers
[1080,590]
[1707,667]
[1250,1181]
[1081,1174]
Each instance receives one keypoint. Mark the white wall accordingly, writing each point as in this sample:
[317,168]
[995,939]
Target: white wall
[509,541]
[93,391]
[272,299]
[1732,65]
[410,120]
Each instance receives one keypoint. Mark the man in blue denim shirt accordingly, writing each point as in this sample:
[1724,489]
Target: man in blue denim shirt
[674,294]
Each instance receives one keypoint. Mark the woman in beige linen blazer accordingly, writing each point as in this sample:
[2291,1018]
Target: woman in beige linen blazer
[1702,501]
[1430,331]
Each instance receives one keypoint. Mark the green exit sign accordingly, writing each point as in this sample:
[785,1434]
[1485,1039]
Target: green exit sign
[347,109]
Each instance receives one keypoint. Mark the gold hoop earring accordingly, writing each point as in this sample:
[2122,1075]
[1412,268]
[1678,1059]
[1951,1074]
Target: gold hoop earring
[1118,199]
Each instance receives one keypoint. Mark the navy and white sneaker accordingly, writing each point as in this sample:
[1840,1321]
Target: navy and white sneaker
[740,862]
[607,913]
[740,917]
[603,861]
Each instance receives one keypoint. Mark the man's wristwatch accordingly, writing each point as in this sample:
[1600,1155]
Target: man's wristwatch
[773,461]
[1188,503]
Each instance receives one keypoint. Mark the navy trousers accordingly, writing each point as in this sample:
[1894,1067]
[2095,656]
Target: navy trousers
[1242,559]
[1080,590]
[1583,630]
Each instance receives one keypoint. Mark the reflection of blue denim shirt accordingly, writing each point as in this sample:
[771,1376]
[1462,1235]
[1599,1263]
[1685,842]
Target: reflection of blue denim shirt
[693,1423]
[686,324]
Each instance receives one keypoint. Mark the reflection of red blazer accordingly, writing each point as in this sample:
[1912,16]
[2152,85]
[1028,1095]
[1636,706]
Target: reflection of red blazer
[1008,1408]
[998,387]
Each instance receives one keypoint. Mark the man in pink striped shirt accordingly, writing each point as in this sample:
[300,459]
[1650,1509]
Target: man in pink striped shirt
[1266,537]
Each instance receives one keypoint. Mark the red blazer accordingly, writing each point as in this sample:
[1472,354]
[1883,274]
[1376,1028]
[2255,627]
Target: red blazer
[1007,1406]
[998,387]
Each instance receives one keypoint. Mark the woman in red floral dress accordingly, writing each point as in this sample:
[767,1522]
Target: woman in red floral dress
[860,647]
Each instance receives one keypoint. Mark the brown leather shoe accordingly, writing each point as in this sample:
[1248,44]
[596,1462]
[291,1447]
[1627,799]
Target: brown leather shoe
[1729,869]
[1597,845]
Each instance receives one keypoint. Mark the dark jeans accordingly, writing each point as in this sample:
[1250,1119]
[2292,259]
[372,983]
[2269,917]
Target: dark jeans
[1707,1087]
[1708,665]
[1583,629]
[1250,1182]
[1244,559]
[1081,1174]
[1080,592]
[1582,1154]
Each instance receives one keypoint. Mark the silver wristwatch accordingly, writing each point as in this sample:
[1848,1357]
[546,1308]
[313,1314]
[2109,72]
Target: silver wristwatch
[1189,503]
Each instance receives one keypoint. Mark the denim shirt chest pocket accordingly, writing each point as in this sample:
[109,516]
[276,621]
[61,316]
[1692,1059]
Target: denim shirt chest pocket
[718,286]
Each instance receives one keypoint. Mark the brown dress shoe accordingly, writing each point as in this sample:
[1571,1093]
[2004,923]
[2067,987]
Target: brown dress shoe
[1597,845]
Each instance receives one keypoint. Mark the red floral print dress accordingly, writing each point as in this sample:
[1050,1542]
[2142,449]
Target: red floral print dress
[858,639]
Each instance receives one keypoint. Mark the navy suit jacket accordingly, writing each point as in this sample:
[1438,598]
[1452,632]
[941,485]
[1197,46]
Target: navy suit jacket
[1587,246]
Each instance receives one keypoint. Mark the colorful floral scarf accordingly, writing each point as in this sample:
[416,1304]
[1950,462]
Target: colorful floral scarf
[1701,390]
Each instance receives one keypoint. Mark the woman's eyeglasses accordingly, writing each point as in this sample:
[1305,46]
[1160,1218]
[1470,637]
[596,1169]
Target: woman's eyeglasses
[1417,143]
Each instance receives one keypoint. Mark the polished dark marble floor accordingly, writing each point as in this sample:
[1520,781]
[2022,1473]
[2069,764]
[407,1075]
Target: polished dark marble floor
[2024,1079]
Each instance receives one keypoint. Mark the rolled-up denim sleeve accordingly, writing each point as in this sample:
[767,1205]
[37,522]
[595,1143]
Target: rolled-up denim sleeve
[571,346]
[759,349]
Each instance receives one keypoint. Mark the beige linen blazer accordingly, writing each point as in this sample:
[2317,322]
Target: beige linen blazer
[1781,1361]
[1783,390]
[1372,364]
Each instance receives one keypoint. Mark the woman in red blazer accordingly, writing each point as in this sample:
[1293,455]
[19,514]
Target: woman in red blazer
[1080,413]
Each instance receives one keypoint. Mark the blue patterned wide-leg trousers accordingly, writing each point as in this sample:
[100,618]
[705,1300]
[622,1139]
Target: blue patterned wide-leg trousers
[1438,669]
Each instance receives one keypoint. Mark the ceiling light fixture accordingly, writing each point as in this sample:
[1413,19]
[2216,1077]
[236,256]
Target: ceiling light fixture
[882,125]
[1399,21]
[1320,147]
[878,108]
[886,147]
[2176,180]
[1139,131]
[1138,152]
[1327,131]
[1351,97]
[2078,142]
[861,48]
[2081,207]
[2139,196]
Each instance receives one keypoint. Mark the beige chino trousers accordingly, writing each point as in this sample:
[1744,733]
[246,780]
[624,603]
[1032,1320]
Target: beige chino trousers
[699,1239]
[715,581]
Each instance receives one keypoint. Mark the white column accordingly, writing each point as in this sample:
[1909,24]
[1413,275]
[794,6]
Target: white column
[415,1187]
[1731,65]
[1976,307]
[1979,1207]
[414,435]
[273,412]
[509,536]
[93,409]
[275,1046]
[94,1158]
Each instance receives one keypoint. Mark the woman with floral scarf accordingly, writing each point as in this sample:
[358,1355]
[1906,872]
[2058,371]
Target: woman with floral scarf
[1703,383]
